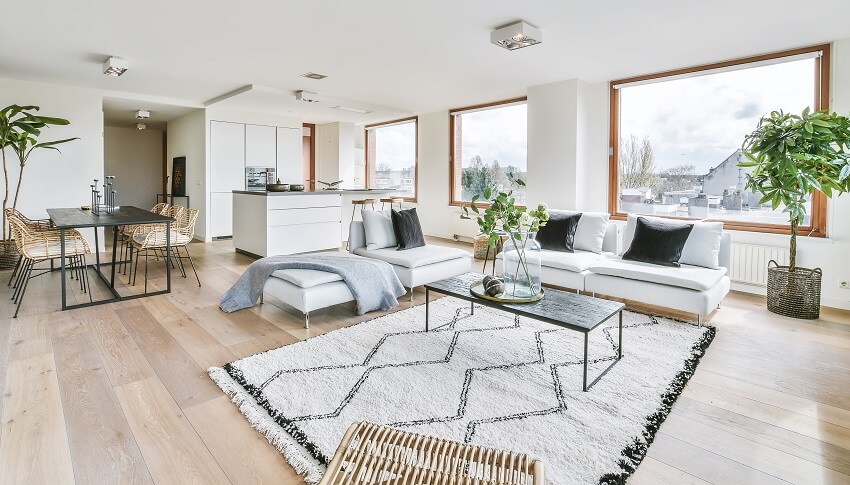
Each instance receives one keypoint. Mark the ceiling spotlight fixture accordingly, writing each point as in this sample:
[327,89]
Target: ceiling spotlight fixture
[141,126]
[143,114]
[115,66]
[516,36]
[352,110]
[307,96]
[313,75]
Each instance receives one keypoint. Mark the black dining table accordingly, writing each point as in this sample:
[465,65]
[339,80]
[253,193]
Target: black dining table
[76,218]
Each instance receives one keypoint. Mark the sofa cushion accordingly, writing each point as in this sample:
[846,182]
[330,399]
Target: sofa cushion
[690,277]
[415,257]
[658,242]
[702,247]
[408,230]
[590,232]
[306,278]
[379,229]
[576,262]
[559,232]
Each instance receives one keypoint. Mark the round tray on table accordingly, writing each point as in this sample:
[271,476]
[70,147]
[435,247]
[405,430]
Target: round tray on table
[477,289]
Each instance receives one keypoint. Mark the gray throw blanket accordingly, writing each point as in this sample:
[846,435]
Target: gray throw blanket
[373,283]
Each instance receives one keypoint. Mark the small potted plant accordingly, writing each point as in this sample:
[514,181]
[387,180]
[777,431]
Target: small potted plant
[503,218]
[792,156]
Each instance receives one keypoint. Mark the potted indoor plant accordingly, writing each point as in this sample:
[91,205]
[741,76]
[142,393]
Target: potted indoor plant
[20,128]
[792,156]
[503,218]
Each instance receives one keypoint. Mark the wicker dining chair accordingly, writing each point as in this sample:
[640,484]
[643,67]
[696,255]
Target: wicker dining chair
[125,232]
[34,225]
[151,237]
[45,245]
[375,454]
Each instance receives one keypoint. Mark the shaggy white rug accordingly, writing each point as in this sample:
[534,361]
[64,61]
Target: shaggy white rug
[491,379]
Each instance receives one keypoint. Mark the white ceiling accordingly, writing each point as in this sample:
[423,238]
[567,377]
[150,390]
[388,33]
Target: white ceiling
[122,112]
[413,56]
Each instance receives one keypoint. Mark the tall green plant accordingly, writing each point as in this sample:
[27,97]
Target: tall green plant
[20,128]
[795,155]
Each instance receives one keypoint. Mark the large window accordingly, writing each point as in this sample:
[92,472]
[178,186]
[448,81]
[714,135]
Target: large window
[676,137]
[391,154]
[488,147]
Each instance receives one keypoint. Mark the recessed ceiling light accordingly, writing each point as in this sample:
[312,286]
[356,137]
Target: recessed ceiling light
[143,114]
[115,66]
[313,75]
[141,126]
[352,110]
[516,36]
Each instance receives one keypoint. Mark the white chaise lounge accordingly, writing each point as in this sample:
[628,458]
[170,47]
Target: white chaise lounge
[416,266]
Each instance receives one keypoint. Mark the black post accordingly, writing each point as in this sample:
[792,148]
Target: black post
[426,308]
[62,265]
[584,378]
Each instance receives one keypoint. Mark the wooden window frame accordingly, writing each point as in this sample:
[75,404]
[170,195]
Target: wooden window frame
[453,149]
[817,227]
[415,120]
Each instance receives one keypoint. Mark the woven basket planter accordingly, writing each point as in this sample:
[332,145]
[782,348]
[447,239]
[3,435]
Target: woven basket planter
[8,254]
[479,244]
[794,294]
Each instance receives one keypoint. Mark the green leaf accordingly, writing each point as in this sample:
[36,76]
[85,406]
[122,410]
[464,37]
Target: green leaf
[845,172]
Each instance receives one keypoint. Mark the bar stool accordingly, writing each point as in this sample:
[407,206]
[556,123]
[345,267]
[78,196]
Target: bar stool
[362,203]
[392,201]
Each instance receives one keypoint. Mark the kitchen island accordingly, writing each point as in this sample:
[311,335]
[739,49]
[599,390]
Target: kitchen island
[274,223]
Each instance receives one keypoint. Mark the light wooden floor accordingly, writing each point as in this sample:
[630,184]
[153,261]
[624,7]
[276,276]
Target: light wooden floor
[119,393]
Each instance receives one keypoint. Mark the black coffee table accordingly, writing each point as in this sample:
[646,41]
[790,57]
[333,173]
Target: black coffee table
[568,310]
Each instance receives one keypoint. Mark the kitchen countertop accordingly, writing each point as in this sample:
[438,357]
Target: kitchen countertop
[314,192]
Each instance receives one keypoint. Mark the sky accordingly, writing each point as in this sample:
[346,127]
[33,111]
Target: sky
[396,145]
[702,120]
[496,134]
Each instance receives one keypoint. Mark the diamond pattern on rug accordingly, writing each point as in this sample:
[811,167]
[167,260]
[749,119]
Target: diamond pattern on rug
[490,378]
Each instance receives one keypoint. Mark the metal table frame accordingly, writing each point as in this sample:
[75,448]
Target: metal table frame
[65,219]
[516,310]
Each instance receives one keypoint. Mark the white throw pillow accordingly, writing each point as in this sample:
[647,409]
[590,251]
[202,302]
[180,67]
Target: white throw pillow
[378,226]
[590,231]
[702,247]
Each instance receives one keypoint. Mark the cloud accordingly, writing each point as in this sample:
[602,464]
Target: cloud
[701,120]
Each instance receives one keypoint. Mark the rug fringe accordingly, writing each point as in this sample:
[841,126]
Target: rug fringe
[305,466]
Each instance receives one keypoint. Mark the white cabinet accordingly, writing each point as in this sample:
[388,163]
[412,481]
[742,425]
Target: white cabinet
[227,156]
[260,146]
[268,225]
[289,155]
[221,214]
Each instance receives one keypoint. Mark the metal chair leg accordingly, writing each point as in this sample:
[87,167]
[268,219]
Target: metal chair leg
[15,271]
[23,289]
[87,281]
[146,270]
[186,248]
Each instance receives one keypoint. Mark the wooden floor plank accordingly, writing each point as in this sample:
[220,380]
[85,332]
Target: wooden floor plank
[245,456]
[102,446]
[33,440]
[122,359]
[748,452]
[187,382]
[704,464]
[652,471]
[172,450]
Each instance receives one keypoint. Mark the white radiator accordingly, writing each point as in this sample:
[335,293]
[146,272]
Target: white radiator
[749,262]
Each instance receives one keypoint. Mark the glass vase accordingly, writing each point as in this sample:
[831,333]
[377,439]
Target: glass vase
[521,257]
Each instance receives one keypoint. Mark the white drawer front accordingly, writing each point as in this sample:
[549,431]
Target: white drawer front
[302,201]
[285,217]
[303,238]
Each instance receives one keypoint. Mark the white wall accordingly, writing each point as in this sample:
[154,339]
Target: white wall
[53,179]
[336,154]
[187,138]
[134,157]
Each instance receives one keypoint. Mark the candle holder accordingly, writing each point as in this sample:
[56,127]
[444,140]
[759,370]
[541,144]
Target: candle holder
[105,201]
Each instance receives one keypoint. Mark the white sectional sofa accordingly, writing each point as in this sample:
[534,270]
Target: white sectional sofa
[416,266]
[691,289]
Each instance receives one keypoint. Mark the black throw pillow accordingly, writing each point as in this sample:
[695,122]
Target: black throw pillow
[408,231]
[559,232]
[658,242]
